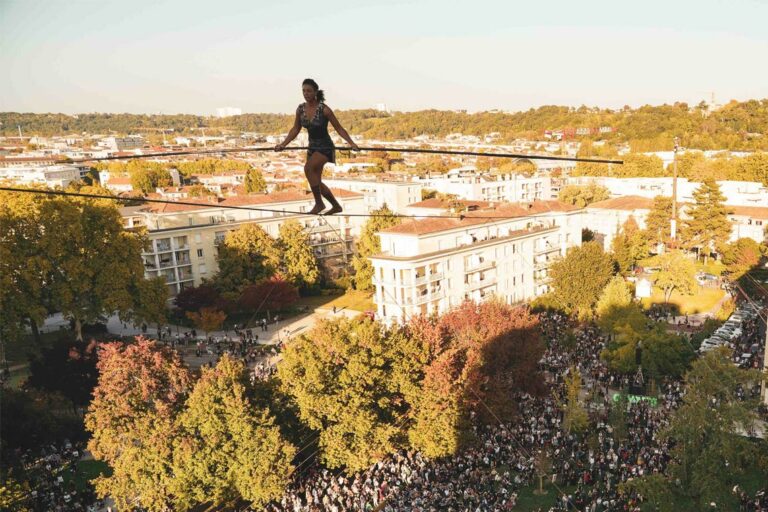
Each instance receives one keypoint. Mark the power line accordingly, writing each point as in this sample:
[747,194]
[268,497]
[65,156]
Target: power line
[224,151]
[248,208]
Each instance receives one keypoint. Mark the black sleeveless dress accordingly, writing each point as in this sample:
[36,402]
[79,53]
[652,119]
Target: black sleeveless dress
[319,138]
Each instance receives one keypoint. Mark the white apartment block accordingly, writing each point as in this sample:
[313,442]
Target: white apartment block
[397,195]
[183,239]
[431,265]
[50,176]
[606,218]
[737,193]
[511,188]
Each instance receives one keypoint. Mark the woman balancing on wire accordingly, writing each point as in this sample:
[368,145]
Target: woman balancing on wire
[314,115]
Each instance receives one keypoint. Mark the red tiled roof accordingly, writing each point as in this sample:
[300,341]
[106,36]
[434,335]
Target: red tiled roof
[445,203]
[755,212]
[119,180]
[624,203]
[504,210]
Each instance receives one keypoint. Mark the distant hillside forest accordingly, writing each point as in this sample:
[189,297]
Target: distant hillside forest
[735,126]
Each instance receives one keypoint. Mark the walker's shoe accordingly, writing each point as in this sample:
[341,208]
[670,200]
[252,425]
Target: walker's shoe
[333,210]
[317,209]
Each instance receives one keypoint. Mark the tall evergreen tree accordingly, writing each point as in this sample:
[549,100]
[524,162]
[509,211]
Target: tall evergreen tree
[657,223]
[629,246]
[707,227]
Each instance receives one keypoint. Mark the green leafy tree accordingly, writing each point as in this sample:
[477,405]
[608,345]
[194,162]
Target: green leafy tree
[657,223]
[709,453]
[298,260]
[132,421]
[349,380]
[151,302]
[24,297]
[583,195]
[95,264]
[707,227]
[228,447]
[370,244]
[741,256]
[579,278]
[247,255]
[254,182]
[629,246]
[616,294]
[676,272]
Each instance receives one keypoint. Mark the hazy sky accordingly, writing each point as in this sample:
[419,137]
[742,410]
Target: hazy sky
[192,56]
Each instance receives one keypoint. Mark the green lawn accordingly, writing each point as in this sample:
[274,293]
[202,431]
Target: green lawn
[85,471]
[700,302]
[353,299]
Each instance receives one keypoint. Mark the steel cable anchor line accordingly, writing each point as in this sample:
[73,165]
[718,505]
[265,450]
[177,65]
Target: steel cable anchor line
[251,149]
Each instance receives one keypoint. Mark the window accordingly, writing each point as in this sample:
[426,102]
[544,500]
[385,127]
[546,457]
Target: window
[199,253]
[202,269]
[198,238]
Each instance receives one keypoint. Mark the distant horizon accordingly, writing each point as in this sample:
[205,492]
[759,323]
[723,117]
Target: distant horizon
[373,107]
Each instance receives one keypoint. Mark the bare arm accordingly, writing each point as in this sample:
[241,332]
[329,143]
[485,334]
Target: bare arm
[291,134]
[339,129]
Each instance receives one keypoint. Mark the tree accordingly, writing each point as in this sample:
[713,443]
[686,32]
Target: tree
[480,354]
[298,260]
[709,452]
[66,367]
[95,263]
[657,223]
[247,255]
[271,294]
[629,246]
[676,272]
[579,278]
[195,298]
[741,256]
[151,302]
[24,298]
[616,294]
[228,447]
[132,421]
[583,195]
[370,244]
[148,176]
[207,319]
[575,417]
[707,227]
[349,380]
[254,182]
[663,354]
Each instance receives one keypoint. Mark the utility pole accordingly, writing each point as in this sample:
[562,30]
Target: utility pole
[673,220]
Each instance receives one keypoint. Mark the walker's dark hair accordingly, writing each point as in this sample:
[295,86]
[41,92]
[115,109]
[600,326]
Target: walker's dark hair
[318,91]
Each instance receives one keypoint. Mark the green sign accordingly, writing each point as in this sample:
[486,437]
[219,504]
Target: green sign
[637,398]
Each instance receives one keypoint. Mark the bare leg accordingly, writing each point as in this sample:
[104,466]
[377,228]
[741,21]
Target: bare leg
[313,170]
[335,206]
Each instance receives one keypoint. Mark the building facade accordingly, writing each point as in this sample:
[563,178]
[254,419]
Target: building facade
[472,186]
[397,195]
[184,239]
[431,265]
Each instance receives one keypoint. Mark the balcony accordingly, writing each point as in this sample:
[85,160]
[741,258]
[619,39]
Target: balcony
[427,297]
[428,278]
[476,285]
[166,247]
[166,263]
[481,266]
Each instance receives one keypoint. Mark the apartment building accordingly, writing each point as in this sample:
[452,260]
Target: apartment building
[51,176]
[607,217]
[183,238]
[470,185]
[397,195]
[431,265]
